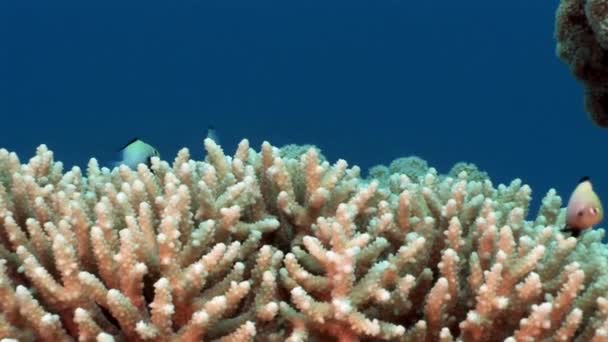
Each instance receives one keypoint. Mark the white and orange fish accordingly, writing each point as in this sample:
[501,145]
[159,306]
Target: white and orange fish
[584,208]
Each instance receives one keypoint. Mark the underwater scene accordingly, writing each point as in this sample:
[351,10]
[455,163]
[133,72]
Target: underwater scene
[264,170]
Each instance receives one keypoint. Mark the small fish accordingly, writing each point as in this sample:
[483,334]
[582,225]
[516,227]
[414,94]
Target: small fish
[584,208]
[136,152]
[212,134]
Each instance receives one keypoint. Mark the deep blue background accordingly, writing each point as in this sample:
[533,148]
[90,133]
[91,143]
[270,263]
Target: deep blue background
[367,81]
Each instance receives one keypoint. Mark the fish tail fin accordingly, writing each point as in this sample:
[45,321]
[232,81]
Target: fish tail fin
[212,134]
[573,232]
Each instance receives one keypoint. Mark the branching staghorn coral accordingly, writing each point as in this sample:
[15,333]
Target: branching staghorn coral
[274,246]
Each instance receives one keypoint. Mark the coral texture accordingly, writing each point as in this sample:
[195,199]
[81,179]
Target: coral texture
[581,31]
[275,246]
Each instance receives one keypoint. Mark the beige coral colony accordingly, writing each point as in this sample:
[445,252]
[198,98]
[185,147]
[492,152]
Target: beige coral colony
[281,245]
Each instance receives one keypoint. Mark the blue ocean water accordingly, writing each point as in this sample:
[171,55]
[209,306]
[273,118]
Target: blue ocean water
[367,81]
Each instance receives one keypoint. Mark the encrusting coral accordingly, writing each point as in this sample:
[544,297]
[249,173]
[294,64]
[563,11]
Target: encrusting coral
[272,246]
[581,32]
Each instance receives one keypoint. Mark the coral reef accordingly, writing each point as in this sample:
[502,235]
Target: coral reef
[412,166]
[272,246]
[581,32]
